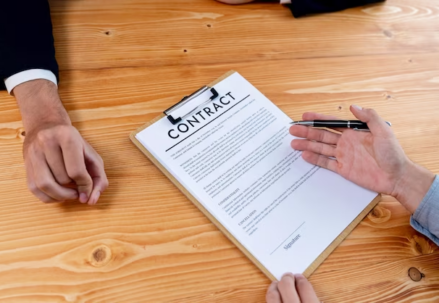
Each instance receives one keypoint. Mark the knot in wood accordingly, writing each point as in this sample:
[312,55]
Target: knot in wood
[379,214]
[415,274]
[421,246]
[100,256]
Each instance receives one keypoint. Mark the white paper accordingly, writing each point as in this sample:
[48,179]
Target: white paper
[238,162]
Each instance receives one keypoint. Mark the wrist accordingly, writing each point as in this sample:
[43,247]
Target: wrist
[40,105]
[413,185]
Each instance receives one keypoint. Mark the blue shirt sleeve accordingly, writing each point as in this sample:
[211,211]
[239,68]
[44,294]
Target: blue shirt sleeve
[426,217]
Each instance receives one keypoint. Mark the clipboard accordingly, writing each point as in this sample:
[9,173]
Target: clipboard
[175,119]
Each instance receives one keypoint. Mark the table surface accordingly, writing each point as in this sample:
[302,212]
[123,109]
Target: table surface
[123,61]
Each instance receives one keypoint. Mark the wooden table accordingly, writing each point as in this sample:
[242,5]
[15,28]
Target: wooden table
[123,61]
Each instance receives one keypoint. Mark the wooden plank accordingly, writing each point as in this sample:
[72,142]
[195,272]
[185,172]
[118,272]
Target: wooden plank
[96,34]
[386,282]
[144,241]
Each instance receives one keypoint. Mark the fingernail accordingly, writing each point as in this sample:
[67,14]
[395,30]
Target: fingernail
[357,107]
[98,194]
[83,198]
[299,276]
[288,274]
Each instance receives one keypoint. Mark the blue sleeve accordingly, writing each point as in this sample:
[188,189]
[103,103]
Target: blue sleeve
[426,217]
[26,40]
[305,7]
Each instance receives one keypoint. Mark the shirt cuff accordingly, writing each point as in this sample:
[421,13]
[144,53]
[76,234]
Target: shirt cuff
[28,75]
[285,1]
[425,219]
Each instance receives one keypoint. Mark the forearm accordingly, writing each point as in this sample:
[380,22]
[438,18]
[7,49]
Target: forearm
[413,185]
[40,105]
[418,191]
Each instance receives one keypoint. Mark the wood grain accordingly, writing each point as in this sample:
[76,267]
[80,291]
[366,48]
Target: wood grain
[123,62]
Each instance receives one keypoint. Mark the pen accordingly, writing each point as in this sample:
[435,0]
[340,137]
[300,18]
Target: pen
[353,124]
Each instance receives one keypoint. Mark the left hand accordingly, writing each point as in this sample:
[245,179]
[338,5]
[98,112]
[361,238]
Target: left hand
[291,289]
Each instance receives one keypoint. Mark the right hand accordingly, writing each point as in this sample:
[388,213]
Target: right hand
[60,164]
[373,160]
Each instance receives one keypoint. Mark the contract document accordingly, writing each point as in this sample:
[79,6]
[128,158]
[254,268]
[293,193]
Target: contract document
[233,155]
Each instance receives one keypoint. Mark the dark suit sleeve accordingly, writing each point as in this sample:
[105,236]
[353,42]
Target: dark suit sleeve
[305,7]
[26,40]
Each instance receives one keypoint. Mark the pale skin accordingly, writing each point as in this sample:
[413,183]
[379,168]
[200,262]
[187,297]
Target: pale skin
[373,160]
[291,289]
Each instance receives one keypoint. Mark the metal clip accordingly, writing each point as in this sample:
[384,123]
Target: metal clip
[186,100]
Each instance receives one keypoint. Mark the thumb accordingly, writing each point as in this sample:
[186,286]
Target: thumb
[375,123]
[95,167]
[77,171]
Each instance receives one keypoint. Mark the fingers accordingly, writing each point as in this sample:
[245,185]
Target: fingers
[74,161]
[273,295]
[287,289]
[95,167]
[44,182]
[320,160]
[56,156]
[291,289]
[314,134]
[315,147]
[305,290]
[33,187]
[55,160]
[375,123]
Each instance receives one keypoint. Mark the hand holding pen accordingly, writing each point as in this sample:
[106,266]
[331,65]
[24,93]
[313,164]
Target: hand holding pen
[353,124]
[373,160]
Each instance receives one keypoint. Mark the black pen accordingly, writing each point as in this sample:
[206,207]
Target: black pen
[353,124]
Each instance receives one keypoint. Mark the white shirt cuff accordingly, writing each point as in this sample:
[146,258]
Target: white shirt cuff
[28,75]
[285,1]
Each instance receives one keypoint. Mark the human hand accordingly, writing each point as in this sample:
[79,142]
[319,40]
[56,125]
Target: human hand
[55,154]
[374,160]
[291,289]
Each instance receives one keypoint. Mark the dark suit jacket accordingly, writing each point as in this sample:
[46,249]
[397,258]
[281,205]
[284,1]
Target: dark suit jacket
[305,7]
[26,40]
